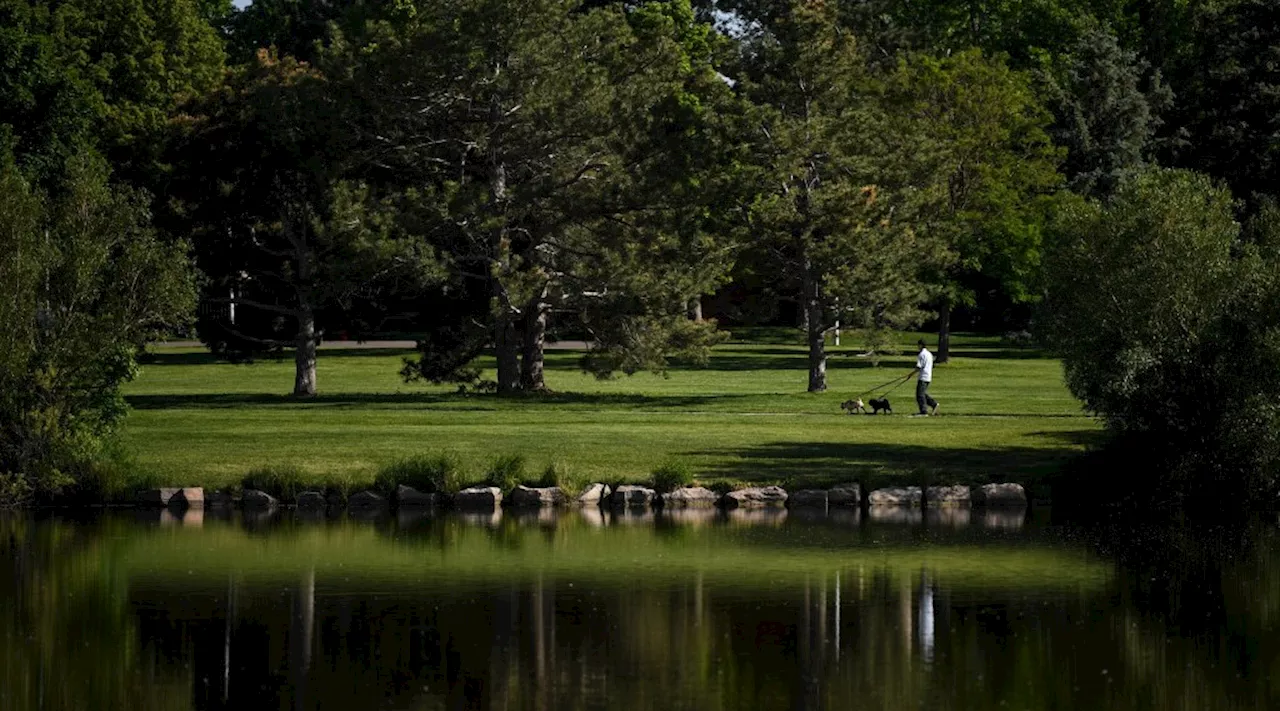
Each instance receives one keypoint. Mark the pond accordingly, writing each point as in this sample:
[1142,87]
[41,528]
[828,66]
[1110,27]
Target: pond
[148,611]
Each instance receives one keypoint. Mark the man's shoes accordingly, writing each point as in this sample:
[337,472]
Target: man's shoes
[934,410]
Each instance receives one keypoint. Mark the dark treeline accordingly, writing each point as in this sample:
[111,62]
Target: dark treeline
[492,173]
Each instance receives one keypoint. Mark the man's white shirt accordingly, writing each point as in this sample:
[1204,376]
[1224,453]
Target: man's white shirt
[924,362]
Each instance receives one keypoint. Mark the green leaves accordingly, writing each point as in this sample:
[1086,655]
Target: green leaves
[88,283]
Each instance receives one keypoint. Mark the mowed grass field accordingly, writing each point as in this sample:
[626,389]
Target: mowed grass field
[1005,415]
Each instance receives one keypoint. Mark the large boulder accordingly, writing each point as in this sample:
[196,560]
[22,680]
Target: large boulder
[594,494]
[755,497]
[179,497]
[255,500]
[845,495]
[809,499]
[896,496]
[537,497]
[689,496]
[367,501]
[1000,496]
[311,501]
[409,497]
[946,496]
[628,495]
[478,498]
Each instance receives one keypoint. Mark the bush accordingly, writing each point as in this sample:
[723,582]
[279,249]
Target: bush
[672,475]
[440,473]
[86,281]
[558,474]
[1164,318]
[506,472]
[284,481]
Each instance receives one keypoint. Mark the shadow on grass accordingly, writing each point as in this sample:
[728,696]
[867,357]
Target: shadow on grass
[1010,353]
[819,464]
[207,358]
[455,401]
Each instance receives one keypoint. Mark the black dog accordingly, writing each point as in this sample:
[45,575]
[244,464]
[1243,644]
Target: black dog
[878,404]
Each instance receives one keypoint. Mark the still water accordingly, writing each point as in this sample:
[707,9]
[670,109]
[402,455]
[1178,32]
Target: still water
[702,610]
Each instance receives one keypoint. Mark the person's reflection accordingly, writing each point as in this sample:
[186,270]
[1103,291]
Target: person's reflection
[925,625]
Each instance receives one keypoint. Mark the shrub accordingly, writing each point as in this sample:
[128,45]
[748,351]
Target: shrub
[1164,318]
[506,472]
[283,481]
[672,475]
[558,474]
[426,473]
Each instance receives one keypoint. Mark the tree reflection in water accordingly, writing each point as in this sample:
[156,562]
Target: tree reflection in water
[690,609]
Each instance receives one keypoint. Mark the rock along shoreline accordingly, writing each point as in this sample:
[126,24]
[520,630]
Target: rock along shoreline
[623,497]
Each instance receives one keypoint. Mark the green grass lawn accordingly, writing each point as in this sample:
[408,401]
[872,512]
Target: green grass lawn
[1005,415]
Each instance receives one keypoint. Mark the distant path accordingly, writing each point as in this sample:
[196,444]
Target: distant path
[389,345]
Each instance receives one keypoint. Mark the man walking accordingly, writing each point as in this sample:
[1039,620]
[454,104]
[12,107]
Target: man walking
[924,369]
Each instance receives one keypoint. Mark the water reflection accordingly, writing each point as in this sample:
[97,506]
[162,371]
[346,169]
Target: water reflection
[687,609]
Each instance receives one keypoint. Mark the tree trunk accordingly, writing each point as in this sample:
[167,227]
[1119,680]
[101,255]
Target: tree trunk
[304,354]
[944,333]
[814,328]
[695,309]
[535,342]
[507,348]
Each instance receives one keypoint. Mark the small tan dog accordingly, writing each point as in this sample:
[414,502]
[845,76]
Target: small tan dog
[853,407]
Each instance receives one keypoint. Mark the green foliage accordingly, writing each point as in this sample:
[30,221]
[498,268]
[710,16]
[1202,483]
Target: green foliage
[672,475]
[577,178]
[100,73]
[427,473]
[984,136]
[506,472]
[1165,322]
[1107,104]
[87,282]
[835,187]
[283,481]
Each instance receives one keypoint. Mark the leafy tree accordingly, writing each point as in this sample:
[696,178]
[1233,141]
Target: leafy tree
[107,73]
[833,212]
[1165,323]
[548,152]
[299,28]
[997,168]
[283,240]
[86,284]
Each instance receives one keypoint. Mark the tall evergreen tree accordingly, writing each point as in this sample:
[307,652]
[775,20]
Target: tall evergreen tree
[548,151]
[834,205]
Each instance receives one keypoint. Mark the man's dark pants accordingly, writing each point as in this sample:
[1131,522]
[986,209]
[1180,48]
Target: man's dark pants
[922,397]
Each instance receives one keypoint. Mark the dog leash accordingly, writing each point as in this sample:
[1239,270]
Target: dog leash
[896,383]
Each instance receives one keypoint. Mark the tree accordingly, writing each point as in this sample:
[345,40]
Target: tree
[105,73]
[543,151]
[832,214]
[1164,319]
[297,28]
[1107,105]
[997,167]
[1225,123]
[86,283]
[279,233]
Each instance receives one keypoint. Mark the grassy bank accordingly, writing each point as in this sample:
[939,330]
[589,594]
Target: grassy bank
[1005,415]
